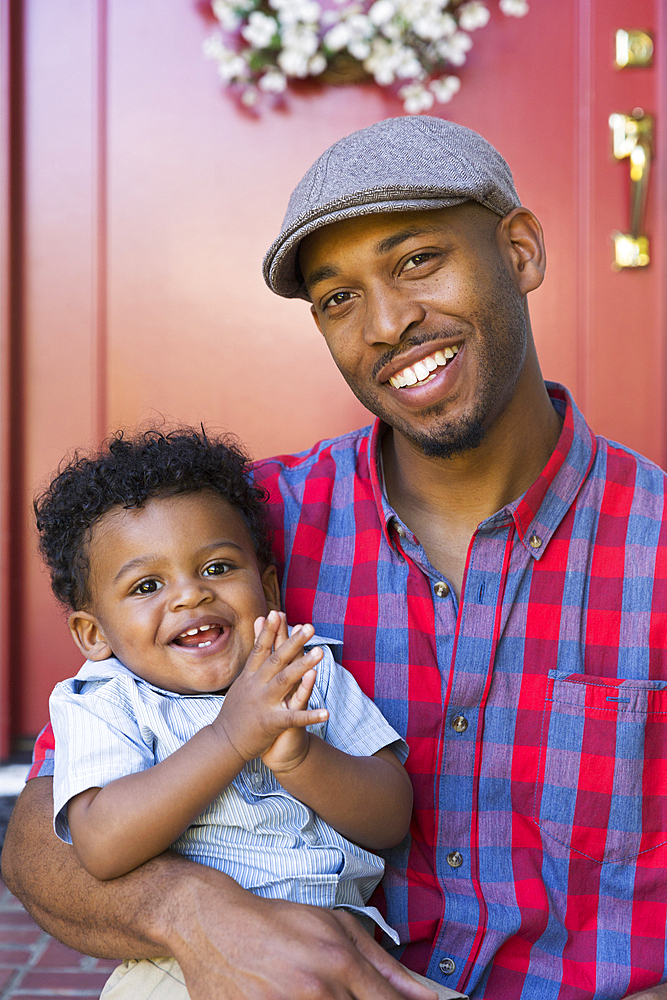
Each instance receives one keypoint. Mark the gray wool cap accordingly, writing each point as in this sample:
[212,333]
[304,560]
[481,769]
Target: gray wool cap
[396,165]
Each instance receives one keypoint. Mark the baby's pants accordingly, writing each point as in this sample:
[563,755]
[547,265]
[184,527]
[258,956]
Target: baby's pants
[162,979]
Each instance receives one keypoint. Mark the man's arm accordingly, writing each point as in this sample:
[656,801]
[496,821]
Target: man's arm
[228,942]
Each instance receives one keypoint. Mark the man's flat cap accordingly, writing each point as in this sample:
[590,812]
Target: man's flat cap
[397,165]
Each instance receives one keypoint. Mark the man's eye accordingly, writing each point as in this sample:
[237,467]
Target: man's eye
[416,260]
[216,569]
[337,299]
[147,587]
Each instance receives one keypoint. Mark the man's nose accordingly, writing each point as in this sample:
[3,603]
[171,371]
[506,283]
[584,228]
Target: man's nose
[190,592]
[391,312]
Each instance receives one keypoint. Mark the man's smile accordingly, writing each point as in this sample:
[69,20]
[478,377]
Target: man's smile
[422,371]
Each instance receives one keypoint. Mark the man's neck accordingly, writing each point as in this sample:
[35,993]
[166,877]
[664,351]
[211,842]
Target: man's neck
[443,500]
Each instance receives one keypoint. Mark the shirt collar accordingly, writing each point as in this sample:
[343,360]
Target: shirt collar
[542,507]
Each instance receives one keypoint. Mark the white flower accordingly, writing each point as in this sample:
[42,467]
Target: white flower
[415,98]
[317,64]
[297,11]
[381,12]
[293,62]
[382,61]
[273,81]
[454,49]
[249,97]
[408,65]
[514,8]
[231,65]
[445,88]
[473,15]
[301,38]
[337,37]
[226,14]
[260,29]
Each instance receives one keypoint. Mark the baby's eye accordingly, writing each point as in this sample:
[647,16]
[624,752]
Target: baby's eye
[216,569]
[147,587]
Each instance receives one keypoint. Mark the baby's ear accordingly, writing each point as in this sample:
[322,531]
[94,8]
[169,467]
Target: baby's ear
[88,636]
[271,588]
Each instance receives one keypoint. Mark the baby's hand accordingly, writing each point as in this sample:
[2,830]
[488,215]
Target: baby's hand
[267,698]
[291,747]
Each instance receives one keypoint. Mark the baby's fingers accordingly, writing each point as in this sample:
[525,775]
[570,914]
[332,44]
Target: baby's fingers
[266,630]
[297,719]
[299,700]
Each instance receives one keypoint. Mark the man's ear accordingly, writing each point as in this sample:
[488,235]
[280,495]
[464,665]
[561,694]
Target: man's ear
[271,588]
[313,313]
[88,636]
[521,242]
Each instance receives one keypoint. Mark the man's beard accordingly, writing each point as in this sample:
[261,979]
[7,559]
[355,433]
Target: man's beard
[500,357]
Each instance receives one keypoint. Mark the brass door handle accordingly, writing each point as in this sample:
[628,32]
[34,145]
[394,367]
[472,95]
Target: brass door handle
[632,138]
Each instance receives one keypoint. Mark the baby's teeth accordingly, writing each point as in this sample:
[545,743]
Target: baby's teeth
[192,631]
[204,628]
[209,642]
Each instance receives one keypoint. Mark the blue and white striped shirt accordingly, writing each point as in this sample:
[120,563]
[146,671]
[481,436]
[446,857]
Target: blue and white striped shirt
[109,722]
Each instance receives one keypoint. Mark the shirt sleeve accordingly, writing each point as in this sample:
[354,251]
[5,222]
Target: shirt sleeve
[42,755]
[97,740]
[355,725]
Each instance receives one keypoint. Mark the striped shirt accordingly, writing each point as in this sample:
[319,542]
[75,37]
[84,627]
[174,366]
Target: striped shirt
[535,708]
[108,723]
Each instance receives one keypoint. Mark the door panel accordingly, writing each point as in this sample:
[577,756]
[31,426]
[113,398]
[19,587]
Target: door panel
[150,198]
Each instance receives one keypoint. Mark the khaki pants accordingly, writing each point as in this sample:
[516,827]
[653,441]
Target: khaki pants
[162,979]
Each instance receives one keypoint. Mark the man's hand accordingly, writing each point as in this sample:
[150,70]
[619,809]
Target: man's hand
[258,705]
[285,951]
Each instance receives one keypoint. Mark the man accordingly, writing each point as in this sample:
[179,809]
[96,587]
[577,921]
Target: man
[496,574]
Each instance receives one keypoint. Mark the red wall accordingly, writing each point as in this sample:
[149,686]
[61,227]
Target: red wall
[150,198]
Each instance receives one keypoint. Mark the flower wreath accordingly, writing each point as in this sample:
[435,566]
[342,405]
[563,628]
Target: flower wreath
[402,44]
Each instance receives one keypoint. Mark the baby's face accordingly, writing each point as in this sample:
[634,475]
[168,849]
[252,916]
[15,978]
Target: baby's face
[175,591]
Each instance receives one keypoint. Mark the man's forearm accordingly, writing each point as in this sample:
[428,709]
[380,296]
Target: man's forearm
[126,918]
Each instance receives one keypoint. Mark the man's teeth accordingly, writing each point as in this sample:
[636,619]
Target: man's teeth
[422,370]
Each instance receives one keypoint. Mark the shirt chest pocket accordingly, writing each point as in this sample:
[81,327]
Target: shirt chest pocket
[602,774]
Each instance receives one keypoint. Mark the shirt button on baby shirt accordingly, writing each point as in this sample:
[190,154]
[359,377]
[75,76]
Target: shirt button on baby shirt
[257,779]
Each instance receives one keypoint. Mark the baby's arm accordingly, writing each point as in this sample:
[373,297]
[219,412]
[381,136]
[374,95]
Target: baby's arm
[118,827]
[366,798]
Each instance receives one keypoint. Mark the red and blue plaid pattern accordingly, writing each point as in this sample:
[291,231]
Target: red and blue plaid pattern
[537,862]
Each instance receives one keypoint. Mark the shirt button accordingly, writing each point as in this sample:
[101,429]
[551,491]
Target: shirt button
[400,530]
[447,966]
[455,859]
[441,589]
[535,542]
[257,779]
[460,724]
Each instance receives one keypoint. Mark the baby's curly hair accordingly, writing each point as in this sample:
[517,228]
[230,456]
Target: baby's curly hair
[126,472]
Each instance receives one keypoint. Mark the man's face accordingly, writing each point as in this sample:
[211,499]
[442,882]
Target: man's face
[422,315]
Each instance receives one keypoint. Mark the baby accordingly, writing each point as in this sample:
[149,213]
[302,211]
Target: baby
[198,721]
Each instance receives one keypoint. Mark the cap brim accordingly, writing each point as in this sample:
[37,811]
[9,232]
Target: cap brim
[281,265]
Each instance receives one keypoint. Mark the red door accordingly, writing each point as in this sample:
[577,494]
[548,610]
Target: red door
[141,200]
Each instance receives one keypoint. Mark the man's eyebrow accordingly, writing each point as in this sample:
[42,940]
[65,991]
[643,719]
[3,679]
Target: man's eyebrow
[321,274]
[395,240]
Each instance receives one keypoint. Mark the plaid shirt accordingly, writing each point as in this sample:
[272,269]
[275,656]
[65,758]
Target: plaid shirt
[535,709]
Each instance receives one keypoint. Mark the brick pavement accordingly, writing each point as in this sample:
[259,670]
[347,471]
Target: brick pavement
[33,966]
